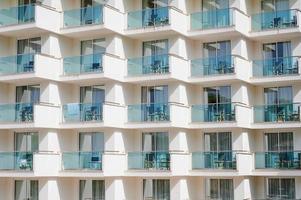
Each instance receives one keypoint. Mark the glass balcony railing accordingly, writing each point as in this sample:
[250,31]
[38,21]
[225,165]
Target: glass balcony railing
[82,160]
[148,18]
[214,160]
[83,112]
[213,112]
[278,160]
[149,160]
[22,63]
[274,20]
[219,18]
[16,160]
[20,112]
[156,64]
[212,66]
[148,112]
[276,67]
[83,16]
[17,15]
[91,63]
[277,113]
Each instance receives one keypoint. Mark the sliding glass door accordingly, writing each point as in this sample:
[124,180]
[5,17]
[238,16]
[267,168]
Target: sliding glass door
[26,49]
[280,188]
[154,101]
[91,101]
[155,56]
[217,58]
[26,189]
[90,11]
[26,97]
[158,189]
[276,14]
[154,12]
[28,94]
[218,104]
[91,54]
[279,104]
[91,190]
[280,151]
[221,189]
[155,148]
[218,150]
[26,11]
[277,59]
[215,13]
[91,148]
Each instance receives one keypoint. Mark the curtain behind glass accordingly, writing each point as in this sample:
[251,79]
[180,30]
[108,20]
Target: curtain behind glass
[154,3]
[155,142]
[273,187]
[287,189]
[215,4]
[279,141]
[98,190]
[91,142]
[28,94]
[276,50]
[93,46]
[280,95]
[161,189]
[26,142]
[85,189]
[218,141]
[216,49]
[154,94]
[26,189]
[273,5]
[157,47]
[28,46]
[281,188]
[92,94]
[226,189]
[216,95]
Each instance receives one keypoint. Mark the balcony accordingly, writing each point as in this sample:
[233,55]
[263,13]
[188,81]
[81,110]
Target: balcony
[214,160]
[92,68]
[157,67]
[83,16]
[214,19]
[92,21]
[283,68]
[211,116]
[155,112]
[82,160]
[17,113]
[30,18]
[93,115]
[16,161]
[279,113]
[82,112]
[275,22]
[25,67]
[156,64]
[83,64]
[148,18]
[163,20]
[219,69]
[157,115]
[278,160]
[218,22]
[213,112]
[148,161]
[28,115]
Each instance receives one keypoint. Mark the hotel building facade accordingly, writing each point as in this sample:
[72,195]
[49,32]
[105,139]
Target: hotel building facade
[150,99]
